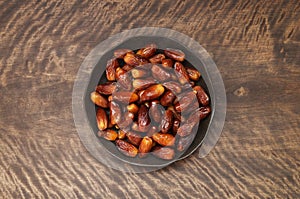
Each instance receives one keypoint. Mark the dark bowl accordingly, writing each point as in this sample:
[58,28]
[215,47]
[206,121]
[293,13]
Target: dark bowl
[98,76]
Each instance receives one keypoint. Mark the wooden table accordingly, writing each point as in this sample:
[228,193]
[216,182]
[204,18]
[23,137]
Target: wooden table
[256,46]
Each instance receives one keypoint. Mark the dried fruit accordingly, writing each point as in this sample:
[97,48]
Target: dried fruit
[185,100]
[126,120]
[133,108]
[202,96]
[134,138]
[175,54]
[119,72]
[139,73]
[152,92]
[143,116]
[165,153]
[124,82]
[115,113]
[108,134]
[156,112]
[102,120]
[140,84]
[176,125]
[127,67]
[159,73]
[140,129]
[181,73]
[121,134]
[157,59]
[145,146]
[126,148]
[167,121]
[167,98]
[134,59]
[147,51]
[204,112]
[187,127]
[106,88]
[173,86]
[164,139]
[111,67]
[193,74]
[150,105]
[167,63]
[99,100]
[125,97]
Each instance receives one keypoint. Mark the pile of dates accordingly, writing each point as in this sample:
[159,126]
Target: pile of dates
[150,102]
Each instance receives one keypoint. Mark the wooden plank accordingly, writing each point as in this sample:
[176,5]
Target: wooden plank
[256,46]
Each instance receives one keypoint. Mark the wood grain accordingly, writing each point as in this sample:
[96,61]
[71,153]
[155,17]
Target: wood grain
[256,46]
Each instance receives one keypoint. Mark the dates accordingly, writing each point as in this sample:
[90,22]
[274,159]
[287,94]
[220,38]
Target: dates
[125,97]
[152,92]
[140,84]
[159,73]
[154,102]
[143,116]
[167,121]
[99,100]
[167,98]
[111,67]
[134,59]
[164,139]
[175,54]
[147,51]
[126,148]
[193,74]
[157,59]
[108,134]
[134,138]
[201,95]
[145,146]
[183,75]
[107,88]
[102,120]
[167,63]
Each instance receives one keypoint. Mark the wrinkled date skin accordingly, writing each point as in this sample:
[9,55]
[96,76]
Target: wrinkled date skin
[145,146]
[175,54]
[111,67]
[99,100]
[164,139]
[134,138]
[115,113]
[102,120]
[202,96]
[143,116]
[167,121]
[134,59]
[156,111]
[151,103]
[157,59]
[107,88]
[152,93]
[108,134]
[126,148]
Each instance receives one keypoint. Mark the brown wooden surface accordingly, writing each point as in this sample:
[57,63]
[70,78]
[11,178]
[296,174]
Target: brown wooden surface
[256,46]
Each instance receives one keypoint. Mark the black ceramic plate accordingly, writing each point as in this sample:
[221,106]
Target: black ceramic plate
[90,74]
